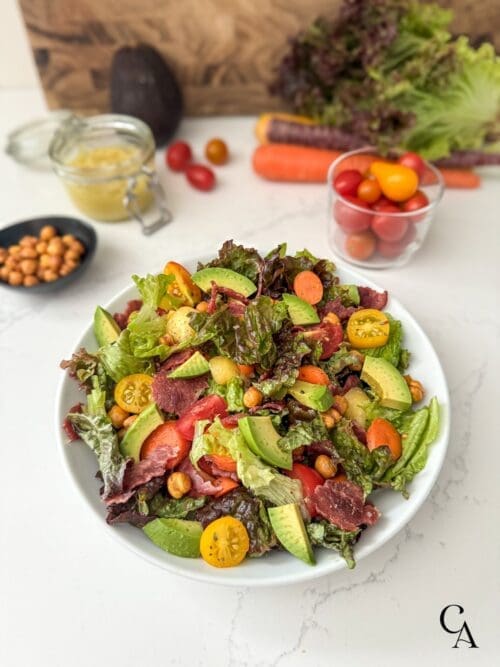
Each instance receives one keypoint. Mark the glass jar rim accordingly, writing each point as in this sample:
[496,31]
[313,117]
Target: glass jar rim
[77,128]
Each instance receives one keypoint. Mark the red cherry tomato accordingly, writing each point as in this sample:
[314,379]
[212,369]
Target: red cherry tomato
[349,218]
[393,250]
[382,203]
[415,162]
[206,408]
[369,190]
[419,200]
[178,156]
[347,182]
[200,177]
[388,228]
[360,246]
[309,479]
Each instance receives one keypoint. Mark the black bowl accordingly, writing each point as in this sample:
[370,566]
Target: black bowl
[80,230]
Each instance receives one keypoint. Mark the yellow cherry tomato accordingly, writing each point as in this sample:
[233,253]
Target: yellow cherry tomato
[133,392]
[224,542]
[396,181]
[368,328]
[183,287]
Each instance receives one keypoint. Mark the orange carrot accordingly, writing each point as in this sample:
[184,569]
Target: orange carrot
[308,286]
[313,374]
[223,462]
[460,178]
[225,485]
[382,433]
[247,370]
[287,162]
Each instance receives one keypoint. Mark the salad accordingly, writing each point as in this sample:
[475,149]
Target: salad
[254,405]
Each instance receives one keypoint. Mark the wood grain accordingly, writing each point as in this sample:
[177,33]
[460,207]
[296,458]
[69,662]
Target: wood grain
[222,51]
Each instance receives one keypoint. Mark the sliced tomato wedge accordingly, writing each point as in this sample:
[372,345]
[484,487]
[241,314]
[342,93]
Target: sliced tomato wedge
[167,437]
[309,479]
[329,335]
[206,408]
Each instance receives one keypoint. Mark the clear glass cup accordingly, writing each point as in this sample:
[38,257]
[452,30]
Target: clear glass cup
[351,227]
[106,164]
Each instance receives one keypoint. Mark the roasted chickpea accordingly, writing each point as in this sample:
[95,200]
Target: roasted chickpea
[252,397]
[325,466]
[28,241]
[12,262]
[202,307]
[55,263]
[14,250]
[39,272]
[71,266]
[29,281]
[78,247]
[41,247]
[71,255]
[47,232]
[3,255]
[28,252]
[15,278]
[28,266]
[45,261]
[117,416]
[49,276]
[68,239]
[4,273]
[178,484]
[56,246]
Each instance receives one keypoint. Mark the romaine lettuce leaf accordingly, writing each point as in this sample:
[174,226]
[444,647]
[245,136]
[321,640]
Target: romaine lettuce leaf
[145,330]
[232,392]
[392,351]
[98,433]
[153,289]
[118,358]
[325,534]
[96,399]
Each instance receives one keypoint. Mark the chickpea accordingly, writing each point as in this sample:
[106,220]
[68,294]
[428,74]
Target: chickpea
[78,247]
[71,255]
[178,484]
[14,250]
[68,239]
[56,246]
[40,272]
[129,421]
[41,247]
[202,307]
[28,252]
[28,266]
[340,404]
[71,265]
[30,281]
[55,263]
[47,232]
[3,255]
[15,278]
[4,273]
[12,262]
[325,466]
[28,241]
[117,416]
[49,276]
[45,261]
[252,397]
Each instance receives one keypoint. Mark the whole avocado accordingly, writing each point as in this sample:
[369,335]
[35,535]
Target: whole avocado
[143,85]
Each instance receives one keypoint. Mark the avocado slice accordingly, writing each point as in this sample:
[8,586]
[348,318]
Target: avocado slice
[224,278]
[387,382]
[177,536]
[147,421]
[288,525]
[262,438]
[300,311]
[315,396]
[357,400]
[193,367]
[106,330]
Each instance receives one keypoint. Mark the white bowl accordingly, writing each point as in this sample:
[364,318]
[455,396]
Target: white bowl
[276,568]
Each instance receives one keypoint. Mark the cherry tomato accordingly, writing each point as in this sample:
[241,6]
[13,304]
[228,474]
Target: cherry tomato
[309,479]
[369,190]
[167,438]
[415,162]
[393,250]
[329,335]
[349,218]
[419,200]
[361,245]
[389,228]
[178,156]
[133,392]
[382,203]
[382,433]
[397,182]
[216,151]
[182,287]
[206,408]
[347,182]
[224,542]
[368,328]
[200,177]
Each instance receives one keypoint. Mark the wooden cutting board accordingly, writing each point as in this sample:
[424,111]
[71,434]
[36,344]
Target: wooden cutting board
[222,51]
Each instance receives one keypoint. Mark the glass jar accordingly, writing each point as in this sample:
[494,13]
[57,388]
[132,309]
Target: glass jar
[355,238]
[106,164]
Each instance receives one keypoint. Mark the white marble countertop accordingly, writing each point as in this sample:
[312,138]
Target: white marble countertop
[70,596]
